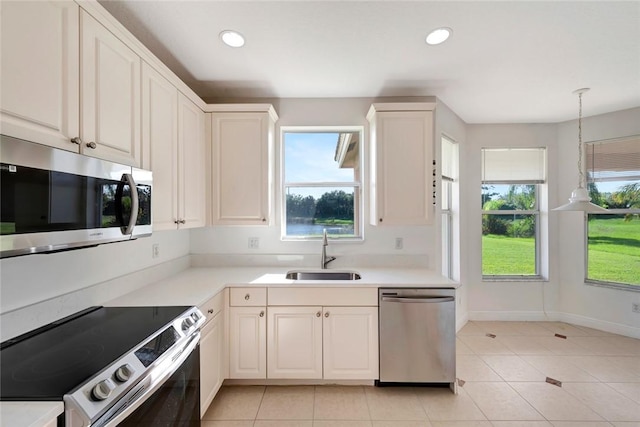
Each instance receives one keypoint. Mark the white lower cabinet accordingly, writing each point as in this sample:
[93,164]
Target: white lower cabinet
[211,361]
[322,343]
[294,342]
[248,342]
[213,350]
[350,343]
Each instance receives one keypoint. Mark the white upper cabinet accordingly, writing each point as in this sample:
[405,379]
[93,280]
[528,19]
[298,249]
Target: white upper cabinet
[110,82]
[401,163]
[39,93]
[242,152]
[191,167]
[160,143]
[173,138]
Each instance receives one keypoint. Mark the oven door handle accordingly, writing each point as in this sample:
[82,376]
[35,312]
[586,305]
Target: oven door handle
[176,360]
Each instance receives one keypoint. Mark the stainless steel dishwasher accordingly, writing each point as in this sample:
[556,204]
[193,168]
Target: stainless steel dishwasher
[417,336]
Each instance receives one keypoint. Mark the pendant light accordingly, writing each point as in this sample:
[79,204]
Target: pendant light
[580,200]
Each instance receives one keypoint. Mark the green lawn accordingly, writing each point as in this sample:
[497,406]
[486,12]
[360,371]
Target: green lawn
[614,252]
[502,255]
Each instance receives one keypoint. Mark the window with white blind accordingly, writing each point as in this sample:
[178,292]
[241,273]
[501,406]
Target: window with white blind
[510,212]
[613,243]
[449,173]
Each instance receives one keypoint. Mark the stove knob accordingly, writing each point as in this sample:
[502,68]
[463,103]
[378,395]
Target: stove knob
[102,390]
[187,323]
[123,373]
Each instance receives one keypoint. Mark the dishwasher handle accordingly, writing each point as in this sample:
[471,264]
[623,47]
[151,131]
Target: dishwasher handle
[421,300]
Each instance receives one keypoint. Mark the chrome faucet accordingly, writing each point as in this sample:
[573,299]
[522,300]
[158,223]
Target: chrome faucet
[324,259]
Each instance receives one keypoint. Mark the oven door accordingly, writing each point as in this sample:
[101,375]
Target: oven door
[171,399]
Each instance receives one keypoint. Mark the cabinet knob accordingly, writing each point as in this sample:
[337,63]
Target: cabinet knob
[264,219]
[210,311]
[318,314]
[326,314]
[262,314]
[176,221]
[246,297]
[76,140]
[380,220]
[91,145]
[182,221]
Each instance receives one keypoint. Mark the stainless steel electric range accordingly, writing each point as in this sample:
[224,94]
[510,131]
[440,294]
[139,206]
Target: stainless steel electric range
[111,366]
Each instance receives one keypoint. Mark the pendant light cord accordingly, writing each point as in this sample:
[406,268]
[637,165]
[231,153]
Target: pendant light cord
[580,172]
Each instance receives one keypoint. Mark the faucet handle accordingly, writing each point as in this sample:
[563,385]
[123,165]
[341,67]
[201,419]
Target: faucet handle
[325,241]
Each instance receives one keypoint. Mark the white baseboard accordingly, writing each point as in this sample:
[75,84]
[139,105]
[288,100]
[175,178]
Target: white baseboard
[575,319]
[602,325]
[512,316]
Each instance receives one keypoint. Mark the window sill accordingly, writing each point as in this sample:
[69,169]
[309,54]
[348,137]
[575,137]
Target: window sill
[514,279]
[611,285]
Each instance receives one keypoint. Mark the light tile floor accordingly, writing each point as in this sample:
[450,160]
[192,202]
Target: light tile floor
[503,385]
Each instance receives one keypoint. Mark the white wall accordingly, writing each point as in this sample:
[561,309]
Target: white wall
[62,283]
[604,308]
[507,300]
[378,240]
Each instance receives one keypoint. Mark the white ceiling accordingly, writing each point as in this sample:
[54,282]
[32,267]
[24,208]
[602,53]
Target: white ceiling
[507,61]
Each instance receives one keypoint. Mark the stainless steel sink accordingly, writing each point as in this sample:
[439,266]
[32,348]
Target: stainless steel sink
[322,275]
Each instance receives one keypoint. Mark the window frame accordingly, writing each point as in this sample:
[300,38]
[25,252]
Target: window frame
[632,211]
[446,188]
[356,184]
[537,212]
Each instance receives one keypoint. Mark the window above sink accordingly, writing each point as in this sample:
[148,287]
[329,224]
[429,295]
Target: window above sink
[321,170]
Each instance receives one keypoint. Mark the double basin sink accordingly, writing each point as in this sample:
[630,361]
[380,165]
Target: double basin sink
[322,275]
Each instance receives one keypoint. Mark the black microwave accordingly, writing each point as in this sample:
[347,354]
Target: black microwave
[53,200]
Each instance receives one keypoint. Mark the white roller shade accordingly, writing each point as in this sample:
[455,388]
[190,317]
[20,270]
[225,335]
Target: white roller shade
[513,165]
[449,159]
[617,160]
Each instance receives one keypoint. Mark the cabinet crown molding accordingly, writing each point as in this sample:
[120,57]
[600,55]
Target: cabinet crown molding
[243,108]
[399,106]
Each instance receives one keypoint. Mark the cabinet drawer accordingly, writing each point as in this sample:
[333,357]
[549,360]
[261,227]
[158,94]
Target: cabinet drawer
[248,297]
[213,306]
[323,296]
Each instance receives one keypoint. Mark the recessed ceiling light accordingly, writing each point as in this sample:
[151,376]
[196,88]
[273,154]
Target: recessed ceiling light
[232,38]
[439,35]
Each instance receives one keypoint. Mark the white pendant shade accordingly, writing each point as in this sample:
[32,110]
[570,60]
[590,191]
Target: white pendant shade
[580,201]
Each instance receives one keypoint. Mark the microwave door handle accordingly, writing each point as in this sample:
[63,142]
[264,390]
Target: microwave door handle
[128,178]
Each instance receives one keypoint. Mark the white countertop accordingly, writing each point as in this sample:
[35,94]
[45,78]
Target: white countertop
[195,286]
[29,414]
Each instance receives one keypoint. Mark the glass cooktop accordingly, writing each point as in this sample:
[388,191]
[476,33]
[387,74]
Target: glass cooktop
[51,361]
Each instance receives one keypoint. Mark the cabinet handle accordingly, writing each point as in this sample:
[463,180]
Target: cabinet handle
[318,314]
[210,311]
[262,314]
[91,145]
[246,297]
[326,314]
[76,140]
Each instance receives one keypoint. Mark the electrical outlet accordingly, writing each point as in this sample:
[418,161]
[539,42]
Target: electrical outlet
[155,250]
[635,307]
[399,242]
[254,242]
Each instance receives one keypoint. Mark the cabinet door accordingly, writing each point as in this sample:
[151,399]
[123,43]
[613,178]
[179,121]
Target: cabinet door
[294,342]
[39,93]
[248,343]
[350,343]
[110,82]
[240,156]
[191,155]
[404,168]
[211,361]
[160,142]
